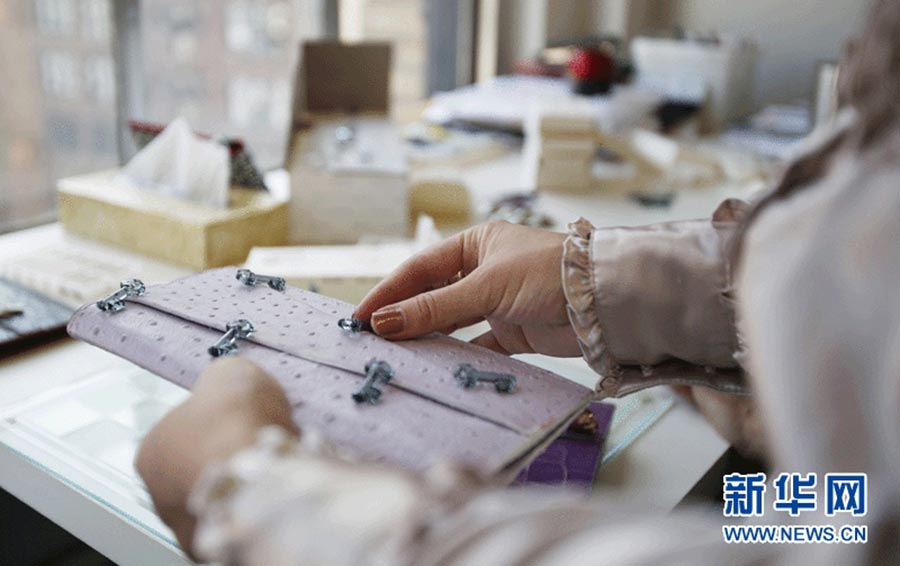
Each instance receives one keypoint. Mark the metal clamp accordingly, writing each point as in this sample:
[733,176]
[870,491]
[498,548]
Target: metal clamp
[468,377]
[116,301]
[250,279]
[376,371]
[353,325]
[227,344]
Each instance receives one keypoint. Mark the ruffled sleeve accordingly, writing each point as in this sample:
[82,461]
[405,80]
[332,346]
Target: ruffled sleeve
[652,305]
[579,285]
[281,504]
[280,500]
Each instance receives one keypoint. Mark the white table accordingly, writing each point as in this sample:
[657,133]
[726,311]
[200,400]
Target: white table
[660,466]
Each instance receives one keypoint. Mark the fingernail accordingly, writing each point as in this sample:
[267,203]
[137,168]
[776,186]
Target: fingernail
[387,321]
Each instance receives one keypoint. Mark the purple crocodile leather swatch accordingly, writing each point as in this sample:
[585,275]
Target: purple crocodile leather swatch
[423,416]
[571,460]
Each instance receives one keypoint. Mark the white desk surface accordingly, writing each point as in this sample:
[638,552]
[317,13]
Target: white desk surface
[660,466]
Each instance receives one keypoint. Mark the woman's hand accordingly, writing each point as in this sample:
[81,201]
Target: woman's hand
[232,400]
[506,274]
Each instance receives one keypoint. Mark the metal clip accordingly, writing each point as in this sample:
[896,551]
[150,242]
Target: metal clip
[468,377]
[116,301]
[227,344]
[376,370]
[353,325]
[250,279]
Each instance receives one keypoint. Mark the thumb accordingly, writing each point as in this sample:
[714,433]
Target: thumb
[460,302]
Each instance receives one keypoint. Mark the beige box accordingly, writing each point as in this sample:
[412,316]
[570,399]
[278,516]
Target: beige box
[101,207]
[343,192]
[440,194]
[346,159]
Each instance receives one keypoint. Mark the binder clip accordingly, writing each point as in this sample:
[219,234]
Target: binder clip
[376,371]
[250,279]
[116,301]
[353,325]
[227,344]
[468,377]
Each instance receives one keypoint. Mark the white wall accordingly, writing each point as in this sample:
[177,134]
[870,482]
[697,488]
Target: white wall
[793,35]
[522,31]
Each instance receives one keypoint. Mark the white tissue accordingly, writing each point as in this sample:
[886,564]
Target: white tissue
[177,163]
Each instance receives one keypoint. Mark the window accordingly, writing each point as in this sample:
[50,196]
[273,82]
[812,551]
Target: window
[55,119]
[99,82]
[55,17]
[257,27]
[59,74]
[227,67]
[403,23]
[96,20]
[62,133]
[258,102]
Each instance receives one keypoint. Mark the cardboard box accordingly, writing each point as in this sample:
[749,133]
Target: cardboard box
[100,207]
[341,194]
[345,157]
[341,77]
[440,194]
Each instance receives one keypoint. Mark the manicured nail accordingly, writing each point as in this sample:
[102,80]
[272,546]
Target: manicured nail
[387,321]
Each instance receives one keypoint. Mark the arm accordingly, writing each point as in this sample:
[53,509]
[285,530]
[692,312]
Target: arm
[644,306]
[508,275]
[280,503]
[228,475]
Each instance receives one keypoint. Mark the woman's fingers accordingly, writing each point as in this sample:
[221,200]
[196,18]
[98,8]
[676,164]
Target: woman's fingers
[468,299]
[462,324]
[429,268]
[442,264]
[489,340]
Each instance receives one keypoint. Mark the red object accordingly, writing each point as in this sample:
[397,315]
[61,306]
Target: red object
[592,64]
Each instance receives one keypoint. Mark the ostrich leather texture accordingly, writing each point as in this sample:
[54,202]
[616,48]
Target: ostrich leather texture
[423,417]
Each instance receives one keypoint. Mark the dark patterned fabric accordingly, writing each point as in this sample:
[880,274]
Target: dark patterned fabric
[31,316]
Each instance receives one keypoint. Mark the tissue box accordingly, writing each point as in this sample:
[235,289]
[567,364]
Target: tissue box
[100,207]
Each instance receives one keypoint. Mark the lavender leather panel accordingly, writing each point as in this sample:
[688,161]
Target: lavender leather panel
[403,429]
[423,416]
[305,324]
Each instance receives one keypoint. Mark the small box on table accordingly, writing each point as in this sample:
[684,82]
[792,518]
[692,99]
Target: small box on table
[101,207]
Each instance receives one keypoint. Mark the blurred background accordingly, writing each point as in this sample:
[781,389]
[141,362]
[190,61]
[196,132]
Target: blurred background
[74,71]
[326,141]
